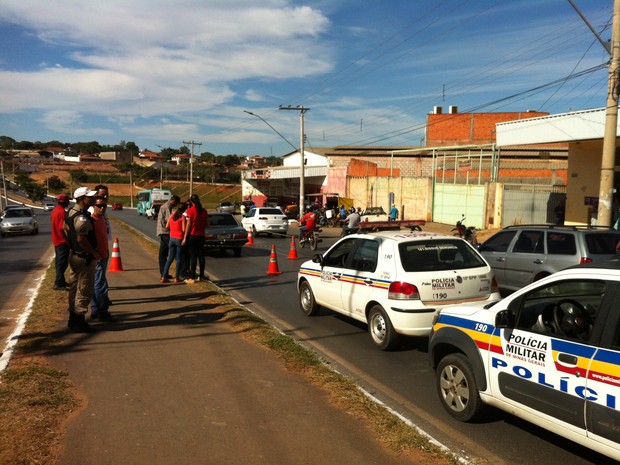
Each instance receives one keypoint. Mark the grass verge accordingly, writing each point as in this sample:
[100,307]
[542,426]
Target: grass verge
[36,400]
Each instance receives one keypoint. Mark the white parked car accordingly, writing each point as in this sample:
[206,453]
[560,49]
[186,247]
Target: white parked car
[549,354]
[265,220]
[395,281]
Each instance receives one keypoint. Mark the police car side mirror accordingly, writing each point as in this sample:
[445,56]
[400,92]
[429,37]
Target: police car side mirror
[505,319]
[318,258]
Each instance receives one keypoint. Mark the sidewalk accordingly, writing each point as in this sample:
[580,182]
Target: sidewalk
[169,383]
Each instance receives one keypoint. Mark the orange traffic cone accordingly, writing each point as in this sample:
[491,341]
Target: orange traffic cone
[115,262]
[250,237]
[292,254]
[273,262]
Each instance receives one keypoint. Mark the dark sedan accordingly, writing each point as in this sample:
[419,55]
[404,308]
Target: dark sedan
[225,232]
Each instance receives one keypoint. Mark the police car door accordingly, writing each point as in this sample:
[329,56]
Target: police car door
[603,404]
[361,278]
[541,365]
[327,287]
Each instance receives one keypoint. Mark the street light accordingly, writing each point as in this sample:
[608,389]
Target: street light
[302,110]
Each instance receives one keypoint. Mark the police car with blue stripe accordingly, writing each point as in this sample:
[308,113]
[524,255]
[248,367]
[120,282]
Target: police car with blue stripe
[549,353]
[395,281]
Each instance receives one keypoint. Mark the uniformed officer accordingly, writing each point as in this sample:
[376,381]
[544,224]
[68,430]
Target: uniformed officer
[80,233]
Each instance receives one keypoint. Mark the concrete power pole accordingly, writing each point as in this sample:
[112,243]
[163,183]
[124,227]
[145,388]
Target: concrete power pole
[191,166]
[605,197]
[302,110]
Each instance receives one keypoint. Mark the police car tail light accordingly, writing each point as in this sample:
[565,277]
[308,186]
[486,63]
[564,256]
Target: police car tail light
[403,291]
[585,260]
[494,286]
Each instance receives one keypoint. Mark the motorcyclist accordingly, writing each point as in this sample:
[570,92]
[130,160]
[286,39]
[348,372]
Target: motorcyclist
[353,220]
[308,223]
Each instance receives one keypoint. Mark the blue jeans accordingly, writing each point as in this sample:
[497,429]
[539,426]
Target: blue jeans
[62,262]
[175,252]
[100,303]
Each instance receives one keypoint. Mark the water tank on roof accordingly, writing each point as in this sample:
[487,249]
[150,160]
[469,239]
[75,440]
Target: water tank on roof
[453,109]
[437,110]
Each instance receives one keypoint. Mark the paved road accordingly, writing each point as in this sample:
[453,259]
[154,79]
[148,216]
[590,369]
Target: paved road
[401,379]
[23,261]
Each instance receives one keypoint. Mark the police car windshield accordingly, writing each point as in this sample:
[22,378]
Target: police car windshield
[438,255]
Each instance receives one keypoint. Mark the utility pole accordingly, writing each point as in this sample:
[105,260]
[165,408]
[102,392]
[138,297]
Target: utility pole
[191,165]
[302,110]
[605,196]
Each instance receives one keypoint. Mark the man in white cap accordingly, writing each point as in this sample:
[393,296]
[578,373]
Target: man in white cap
[82,259]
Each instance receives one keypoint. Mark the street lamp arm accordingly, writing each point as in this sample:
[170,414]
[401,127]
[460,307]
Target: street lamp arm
[274,129]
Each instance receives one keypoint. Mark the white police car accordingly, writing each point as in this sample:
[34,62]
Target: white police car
[395,281]
[549,353]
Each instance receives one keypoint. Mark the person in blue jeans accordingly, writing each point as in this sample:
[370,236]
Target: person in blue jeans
[100,303]
[176,225]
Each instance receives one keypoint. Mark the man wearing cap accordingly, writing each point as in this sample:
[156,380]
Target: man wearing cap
[80,233]
[61,246]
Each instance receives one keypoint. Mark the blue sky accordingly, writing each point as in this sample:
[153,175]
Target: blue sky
[160,72]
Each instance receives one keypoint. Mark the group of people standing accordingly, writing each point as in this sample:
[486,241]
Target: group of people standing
[181,231]
[80,236]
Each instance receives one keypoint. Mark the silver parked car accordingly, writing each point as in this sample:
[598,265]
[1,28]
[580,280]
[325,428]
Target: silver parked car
[226,207]
[520,255]
[19,221]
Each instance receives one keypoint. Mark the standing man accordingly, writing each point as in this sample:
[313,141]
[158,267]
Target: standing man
[101,303]
[165,212]
[80,232]
[61,246]
[393,213]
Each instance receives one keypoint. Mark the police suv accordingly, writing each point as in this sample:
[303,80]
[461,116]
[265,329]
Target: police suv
[549,353]
[395,281]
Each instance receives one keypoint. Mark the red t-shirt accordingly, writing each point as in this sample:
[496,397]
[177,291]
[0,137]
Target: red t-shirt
[58,222]
[309,220]
[101,233]
[198,221]
[176,227]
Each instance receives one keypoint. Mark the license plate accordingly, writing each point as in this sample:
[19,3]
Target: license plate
[224,236]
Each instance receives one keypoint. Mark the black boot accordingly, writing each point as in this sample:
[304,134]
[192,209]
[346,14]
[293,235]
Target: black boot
[77,323]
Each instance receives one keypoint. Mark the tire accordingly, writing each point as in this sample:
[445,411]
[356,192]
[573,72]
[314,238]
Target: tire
[308,305]
[313,242]
[237,251]
[254,232]
[36,231]
[302,243]
[381,330]
[457,388]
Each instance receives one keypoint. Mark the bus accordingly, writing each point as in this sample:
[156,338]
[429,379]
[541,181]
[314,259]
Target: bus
[149,201]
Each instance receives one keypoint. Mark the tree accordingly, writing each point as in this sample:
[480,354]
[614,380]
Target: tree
[56,184]
[6,143]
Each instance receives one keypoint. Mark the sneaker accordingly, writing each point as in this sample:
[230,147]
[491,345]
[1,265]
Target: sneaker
[203,278]
[61,288]
[189,281]
[94,316]
[177,280]
[163,280]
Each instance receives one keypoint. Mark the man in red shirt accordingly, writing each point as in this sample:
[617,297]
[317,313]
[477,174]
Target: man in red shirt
[308,223]
[61,246]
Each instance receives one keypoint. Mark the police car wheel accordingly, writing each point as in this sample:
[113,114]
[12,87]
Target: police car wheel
[381,330]
[308,305]
[457,389]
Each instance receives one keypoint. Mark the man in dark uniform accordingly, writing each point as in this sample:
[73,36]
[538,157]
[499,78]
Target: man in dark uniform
[82,259]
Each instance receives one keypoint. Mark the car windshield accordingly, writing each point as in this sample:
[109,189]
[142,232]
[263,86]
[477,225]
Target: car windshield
[18,213]
[222,220]
[438,255]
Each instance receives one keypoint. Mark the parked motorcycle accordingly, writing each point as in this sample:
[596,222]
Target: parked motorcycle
[466,232]
[311,238]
